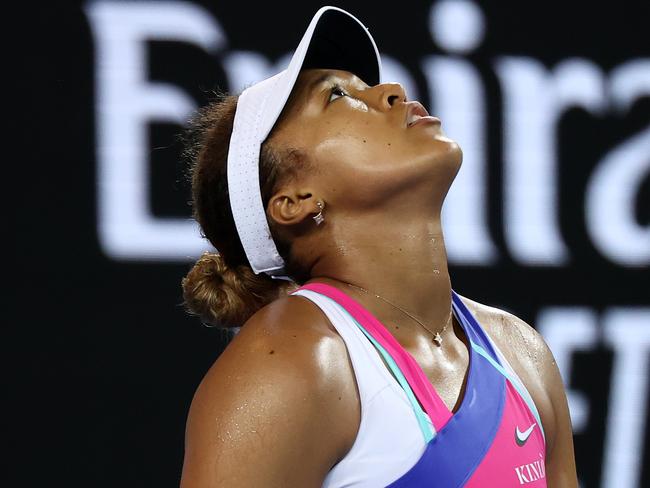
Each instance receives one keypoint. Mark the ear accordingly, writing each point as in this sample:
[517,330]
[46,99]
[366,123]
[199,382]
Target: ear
[291,206]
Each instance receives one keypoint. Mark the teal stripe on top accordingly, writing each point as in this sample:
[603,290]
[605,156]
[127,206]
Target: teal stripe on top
[520,389]
[428,431]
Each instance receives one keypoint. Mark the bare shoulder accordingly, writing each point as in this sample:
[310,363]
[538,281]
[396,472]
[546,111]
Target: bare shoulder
[526,351]
[270,398]
[529,355]
[523,343]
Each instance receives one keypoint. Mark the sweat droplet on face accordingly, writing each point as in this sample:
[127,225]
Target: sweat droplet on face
[342,250]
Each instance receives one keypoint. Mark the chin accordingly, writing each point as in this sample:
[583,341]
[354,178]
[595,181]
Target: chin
[455,152]
[444,165]
[447,152]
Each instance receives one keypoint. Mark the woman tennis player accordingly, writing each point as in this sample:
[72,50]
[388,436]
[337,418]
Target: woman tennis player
[356,364]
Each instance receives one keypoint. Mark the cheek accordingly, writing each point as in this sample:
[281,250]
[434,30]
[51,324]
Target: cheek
[351,141]
[353,152]
[368,168]
[360,169]
[366,150]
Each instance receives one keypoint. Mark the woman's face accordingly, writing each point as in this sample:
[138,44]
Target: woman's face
[360,146]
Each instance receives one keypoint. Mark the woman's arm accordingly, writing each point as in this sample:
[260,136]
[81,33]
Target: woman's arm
[560,458]
[560,461]
[264,415]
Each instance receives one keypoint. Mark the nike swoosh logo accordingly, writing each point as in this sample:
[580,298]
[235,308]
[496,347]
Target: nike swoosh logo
[522,437]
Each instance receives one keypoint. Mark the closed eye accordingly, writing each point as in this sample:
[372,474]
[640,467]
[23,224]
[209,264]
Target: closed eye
[336,90]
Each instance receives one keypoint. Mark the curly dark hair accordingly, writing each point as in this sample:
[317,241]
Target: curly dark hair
[222,288]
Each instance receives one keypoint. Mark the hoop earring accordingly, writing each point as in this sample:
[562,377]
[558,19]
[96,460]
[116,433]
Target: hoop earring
[319,216]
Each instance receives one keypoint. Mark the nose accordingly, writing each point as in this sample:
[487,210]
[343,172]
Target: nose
[389,94]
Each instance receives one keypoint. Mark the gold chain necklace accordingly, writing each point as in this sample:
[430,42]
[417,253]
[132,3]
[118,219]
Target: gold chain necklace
[436,337]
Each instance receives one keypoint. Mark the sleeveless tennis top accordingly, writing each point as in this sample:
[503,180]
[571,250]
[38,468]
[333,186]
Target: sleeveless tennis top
[407,436]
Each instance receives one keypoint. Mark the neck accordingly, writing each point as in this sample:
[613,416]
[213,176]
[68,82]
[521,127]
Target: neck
[406,264]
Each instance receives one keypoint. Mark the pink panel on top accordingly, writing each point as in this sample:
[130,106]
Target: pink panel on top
[524,465]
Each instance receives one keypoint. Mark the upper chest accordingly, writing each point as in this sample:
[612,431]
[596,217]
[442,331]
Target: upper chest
[447,367]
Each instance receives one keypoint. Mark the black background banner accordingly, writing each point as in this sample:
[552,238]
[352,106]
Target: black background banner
[106,360]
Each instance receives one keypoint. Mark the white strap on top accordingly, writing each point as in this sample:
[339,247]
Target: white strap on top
[364,357]
[389,441]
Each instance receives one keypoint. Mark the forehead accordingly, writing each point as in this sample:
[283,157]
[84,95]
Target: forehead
[313,75]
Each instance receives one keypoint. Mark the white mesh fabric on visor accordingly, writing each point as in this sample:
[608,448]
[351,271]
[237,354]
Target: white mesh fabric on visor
[258,108]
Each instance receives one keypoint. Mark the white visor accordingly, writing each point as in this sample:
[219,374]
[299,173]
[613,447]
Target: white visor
[334,39]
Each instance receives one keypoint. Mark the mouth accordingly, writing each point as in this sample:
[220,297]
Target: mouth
[416,113]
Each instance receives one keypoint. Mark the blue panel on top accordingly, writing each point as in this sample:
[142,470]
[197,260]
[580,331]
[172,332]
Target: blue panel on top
[453,455]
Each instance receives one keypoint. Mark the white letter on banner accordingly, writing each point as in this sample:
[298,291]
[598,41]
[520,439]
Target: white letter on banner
[126,103]
[534,100]
[616,181]
[567,330]
[627,332]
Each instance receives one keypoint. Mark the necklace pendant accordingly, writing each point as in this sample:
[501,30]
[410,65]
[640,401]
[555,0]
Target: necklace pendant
[438,339]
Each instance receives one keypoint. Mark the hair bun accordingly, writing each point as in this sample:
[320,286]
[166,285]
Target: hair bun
[224,296]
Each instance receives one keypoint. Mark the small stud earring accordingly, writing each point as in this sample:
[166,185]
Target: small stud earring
[319,216]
